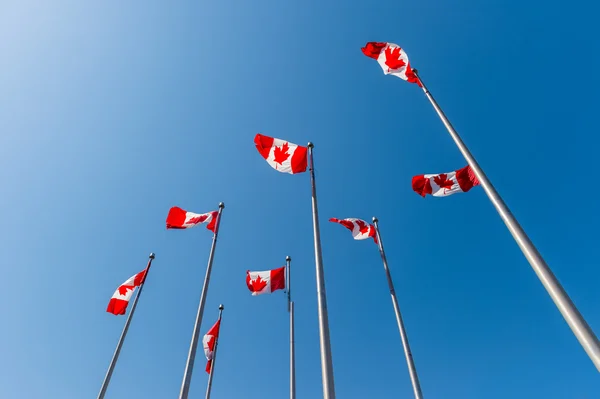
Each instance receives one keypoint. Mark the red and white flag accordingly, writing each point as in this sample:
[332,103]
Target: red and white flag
[265,282]
[208,342]
[282,155]
[445,184]
[180,219]
[360,229]
[120,299]
[393,60]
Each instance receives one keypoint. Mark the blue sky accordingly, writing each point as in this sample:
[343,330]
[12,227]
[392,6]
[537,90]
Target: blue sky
[111,113]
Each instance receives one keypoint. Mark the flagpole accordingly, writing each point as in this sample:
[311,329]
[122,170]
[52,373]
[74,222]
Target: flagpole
[115,357]
[214,357]
[412,370]
[292,343]
[326,361]
[187,376]
[574,319]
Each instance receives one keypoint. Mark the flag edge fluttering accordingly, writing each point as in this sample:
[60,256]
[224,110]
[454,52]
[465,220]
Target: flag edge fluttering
[409,74]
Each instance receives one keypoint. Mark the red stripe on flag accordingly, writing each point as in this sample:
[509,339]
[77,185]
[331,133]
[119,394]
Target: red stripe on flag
[411,77]
[466,178]
[373,49]
[347,224]
[299,160]
[176,218]
[139,278]
[213,222]
[421,185]
[117,306]
[278,279]
[263,144]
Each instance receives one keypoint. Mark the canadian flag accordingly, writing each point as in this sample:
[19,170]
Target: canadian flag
[282,155]
[360,229]
[180,219]
[444,184]
[265,282]
[120,299]
[393,60]
[208,342]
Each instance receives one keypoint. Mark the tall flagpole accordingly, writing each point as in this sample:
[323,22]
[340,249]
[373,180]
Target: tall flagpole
[189,366]
[412,370]
[214,357]
[326,361]
[115,357]
[578,325]
[288,261]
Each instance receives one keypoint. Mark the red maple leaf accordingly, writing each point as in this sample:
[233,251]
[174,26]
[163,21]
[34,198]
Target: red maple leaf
[197,219]
[281,154]
[210,345]
[124,288]
[443,181]
[362,226]
[392,58]
[257,285]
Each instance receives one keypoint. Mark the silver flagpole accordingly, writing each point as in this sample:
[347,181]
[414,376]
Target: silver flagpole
[292,344]
[187,376]
[578,325]
[326,361]
[214,357]
[115,357]
[412,370]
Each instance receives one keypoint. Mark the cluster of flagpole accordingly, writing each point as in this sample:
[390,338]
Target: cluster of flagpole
[567,308]
[275,151]
[189,366]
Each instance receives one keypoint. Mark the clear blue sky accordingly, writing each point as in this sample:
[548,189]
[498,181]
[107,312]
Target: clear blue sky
[112,112]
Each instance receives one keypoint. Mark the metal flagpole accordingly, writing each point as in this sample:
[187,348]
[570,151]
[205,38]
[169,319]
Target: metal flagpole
[292,344]
[189,366]
[214,357]
[412,370]
[326,361]
[115,357]
[578,325]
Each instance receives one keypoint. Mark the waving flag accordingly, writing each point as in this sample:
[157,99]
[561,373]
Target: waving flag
[120,299]
[265,282]
[208,342]
[180,219]
[445,184]
[360,229]
[392,58]
[282,155]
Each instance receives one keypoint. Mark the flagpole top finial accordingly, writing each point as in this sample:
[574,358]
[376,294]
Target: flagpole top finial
[311,145]
[415,71]
[152,255]
[221,205]
[375,220]
[221,307]
[288,258]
